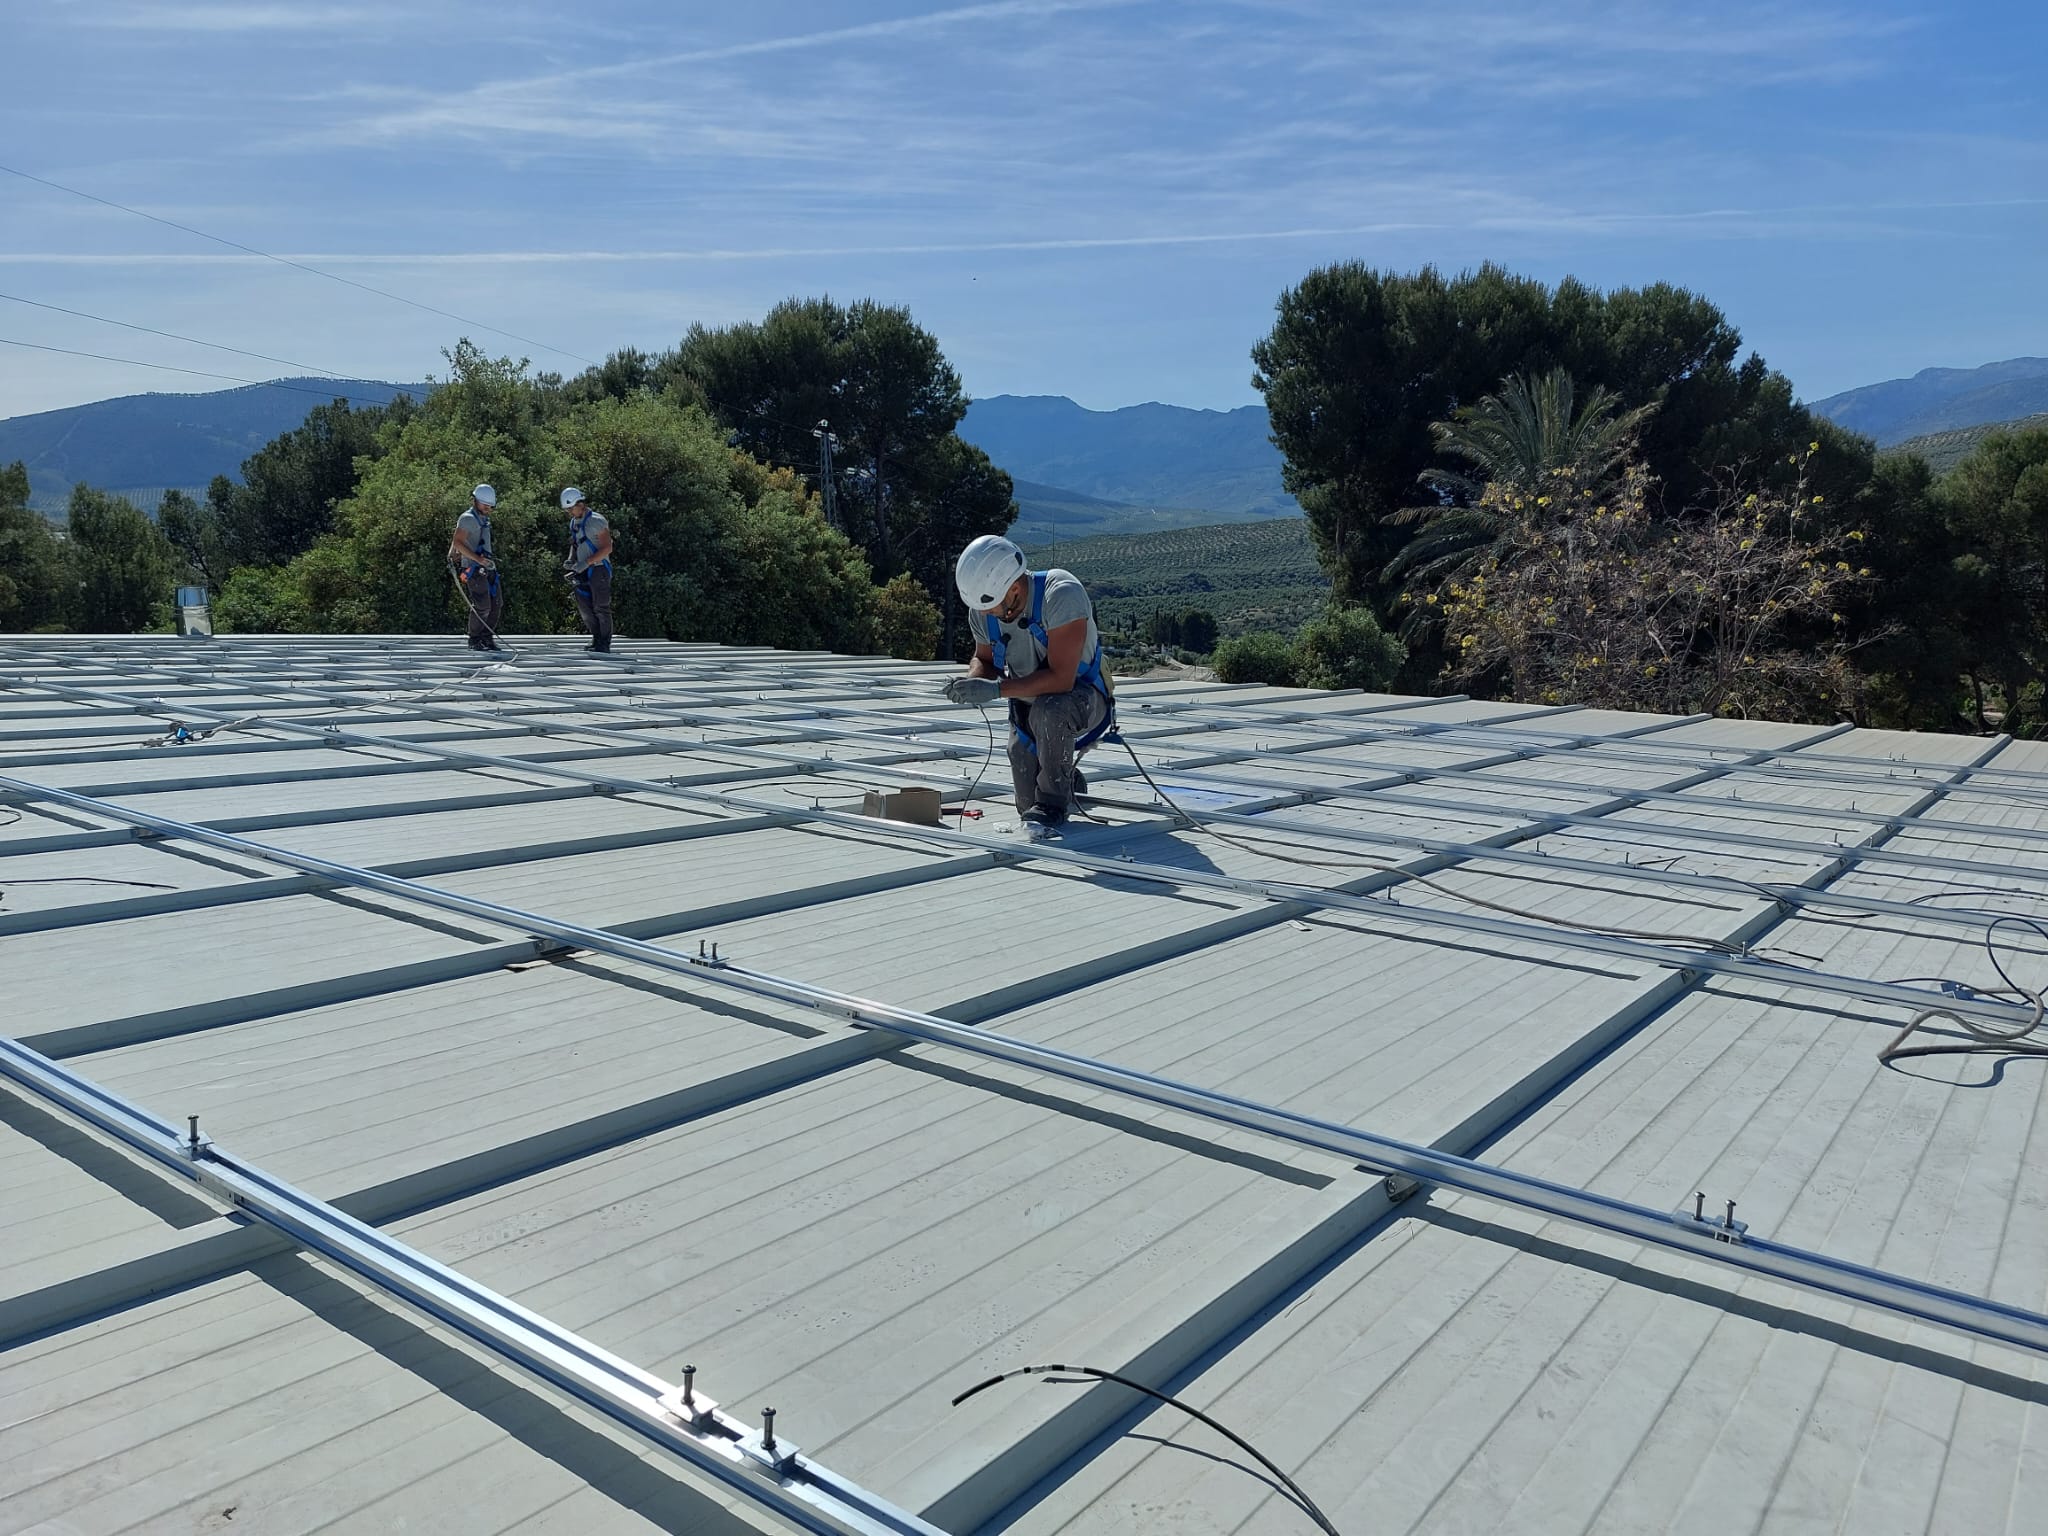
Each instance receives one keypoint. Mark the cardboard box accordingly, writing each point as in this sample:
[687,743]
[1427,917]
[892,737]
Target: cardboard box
[919,807]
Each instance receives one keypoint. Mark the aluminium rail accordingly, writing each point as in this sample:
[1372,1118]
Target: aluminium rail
[1636,950]
[1727,1243]
[1381,788]
[1542,820]
[679,1421]
[1786,761]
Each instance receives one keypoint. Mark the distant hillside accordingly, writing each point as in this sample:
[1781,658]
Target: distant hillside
[139,444]
[1149,456]
[1939,400]
[1250,575]
[1943,451]
[1053,515]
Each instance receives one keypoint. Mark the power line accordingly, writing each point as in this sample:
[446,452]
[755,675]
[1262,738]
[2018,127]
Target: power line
[150,330]
[197,373]
[286,261]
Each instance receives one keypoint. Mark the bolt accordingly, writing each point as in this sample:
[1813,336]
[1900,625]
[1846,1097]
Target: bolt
[1729,1220]
[689,1384]
[768,1430]
[1699,1205]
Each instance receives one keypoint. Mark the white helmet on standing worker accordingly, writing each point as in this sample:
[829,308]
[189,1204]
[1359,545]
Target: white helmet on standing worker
[988,568]
[570,497]
[483,495]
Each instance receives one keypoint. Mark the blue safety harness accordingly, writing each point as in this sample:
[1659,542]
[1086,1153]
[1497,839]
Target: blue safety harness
[582,545]
[1089,672]
[471,567]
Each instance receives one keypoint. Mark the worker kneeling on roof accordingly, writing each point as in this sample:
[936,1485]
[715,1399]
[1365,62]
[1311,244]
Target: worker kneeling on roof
[1037,646]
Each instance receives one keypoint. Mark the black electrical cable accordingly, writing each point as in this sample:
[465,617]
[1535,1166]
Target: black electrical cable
[1252,845]
[197,373]
[140,885]
[286,261]
[150,330]
[988,757]
[1300,1499]
[1986,1039]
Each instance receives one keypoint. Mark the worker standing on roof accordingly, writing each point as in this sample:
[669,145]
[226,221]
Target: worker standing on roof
[589,567]
[1037,646]
[477,569]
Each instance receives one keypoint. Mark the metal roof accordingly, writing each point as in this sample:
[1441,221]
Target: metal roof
[378,933]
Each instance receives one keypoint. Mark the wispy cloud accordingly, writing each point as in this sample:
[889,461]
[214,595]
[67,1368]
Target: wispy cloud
[506,105]
[238,17]
[1141,175]
[1815,217]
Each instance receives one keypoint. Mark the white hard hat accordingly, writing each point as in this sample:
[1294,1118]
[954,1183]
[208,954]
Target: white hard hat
[570,497]
[987,569]
[484,494]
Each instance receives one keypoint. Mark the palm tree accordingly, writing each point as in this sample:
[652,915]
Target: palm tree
[1520,440]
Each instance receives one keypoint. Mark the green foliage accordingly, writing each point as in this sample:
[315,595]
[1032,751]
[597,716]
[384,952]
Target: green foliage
[1361,363]
[909,491]
[1592,596]
[1523,437]
[124,569]
[1251,576]
[906,619]
[1995,506]
[953,493]
[194,532]
[34,569]
[1346,648]
[289,490]
[711,545]
[1523,433]
[1943,451]
[1188,629]
[1256,658]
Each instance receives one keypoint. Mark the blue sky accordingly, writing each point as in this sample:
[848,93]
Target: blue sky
[1097,198]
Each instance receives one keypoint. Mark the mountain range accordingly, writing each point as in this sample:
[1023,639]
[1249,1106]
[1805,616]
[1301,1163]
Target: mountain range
[141,445]
[1079,473]
[1941,400]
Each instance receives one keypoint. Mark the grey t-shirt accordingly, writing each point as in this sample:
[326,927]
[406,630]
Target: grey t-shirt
[584,533]
[1065,601]
[477,530]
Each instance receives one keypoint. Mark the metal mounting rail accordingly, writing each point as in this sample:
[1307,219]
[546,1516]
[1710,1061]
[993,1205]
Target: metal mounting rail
[1545,819]
[595,1379]
[1638,951]
[675,1419]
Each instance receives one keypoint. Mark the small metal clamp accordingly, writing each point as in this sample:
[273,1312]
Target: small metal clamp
[778,1454]
[687,1403]
[1726,1230]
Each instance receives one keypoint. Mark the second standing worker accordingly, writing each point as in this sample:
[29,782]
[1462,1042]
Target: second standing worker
[589,567]
[477,569]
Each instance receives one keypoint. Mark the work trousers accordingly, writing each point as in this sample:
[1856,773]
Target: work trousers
[486,605]
[1052,722]
[594,602]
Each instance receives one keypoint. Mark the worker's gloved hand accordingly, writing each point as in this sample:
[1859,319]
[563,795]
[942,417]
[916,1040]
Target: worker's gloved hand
[973,690]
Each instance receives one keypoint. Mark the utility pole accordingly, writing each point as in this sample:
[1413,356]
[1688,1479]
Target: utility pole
[826,488]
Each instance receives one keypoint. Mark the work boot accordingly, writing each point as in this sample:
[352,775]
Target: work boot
[1080,783]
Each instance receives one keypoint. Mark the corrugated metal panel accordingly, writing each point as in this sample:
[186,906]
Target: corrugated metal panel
[854,1232]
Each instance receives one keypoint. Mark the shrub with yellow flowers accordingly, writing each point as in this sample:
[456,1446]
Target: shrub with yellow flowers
[1590,596]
